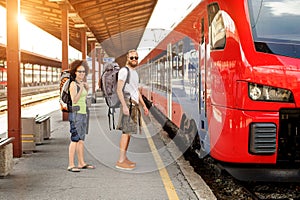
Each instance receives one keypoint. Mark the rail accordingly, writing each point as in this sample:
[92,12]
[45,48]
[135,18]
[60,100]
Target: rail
[32,97]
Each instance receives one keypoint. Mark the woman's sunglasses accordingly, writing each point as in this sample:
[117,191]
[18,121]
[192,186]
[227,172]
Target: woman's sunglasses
[133,57]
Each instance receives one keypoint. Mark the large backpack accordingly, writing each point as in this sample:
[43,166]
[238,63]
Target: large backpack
[65,97]
[65,100]
[109,81]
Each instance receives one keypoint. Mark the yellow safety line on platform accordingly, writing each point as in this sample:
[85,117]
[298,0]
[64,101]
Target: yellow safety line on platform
[169,187]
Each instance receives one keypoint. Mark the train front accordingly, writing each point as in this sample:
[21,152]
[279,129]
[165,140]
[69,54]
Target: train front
[256,127]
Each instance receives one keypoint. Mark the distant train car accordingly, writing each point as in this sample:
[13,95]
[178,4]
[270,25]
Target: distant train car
[3,77]
[33,75]
[39,75]
[229,73]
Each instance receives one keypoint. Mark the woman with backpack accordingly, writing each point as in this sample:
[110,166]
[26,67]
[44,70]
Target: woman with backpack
[78,117]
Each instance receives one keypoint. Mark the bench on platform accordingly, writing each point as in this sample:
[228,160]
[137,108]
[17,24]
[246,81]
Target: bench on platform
[6,156]
[42,128]
[34,131]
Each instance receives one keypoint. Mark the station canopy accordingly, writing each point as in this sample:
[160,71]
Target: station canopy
[116,25]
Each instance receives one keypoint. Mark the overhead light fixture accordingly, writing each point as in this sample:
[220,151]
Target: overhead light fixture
[72,15]
[57,1]
[79,25]
[89,34]
[91,39]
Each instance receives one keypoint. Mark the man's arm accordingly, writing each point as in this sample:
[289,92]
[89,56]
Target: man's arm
[120,86]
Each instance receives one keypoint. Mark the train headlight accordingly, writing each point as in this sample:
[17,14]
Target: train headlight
[259,92]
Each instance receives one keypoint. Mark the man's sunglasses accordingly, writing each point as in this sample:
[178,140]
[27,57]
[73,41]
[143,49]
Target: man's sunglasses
[133,57]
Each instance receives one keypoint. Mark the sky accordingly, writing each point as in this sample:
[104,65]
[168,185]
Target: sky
[165,17]
[171,13]
[31,38]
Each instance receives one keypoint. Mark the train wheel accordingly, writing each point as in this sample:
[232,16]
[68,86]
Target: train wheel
[196,146]
[190,133]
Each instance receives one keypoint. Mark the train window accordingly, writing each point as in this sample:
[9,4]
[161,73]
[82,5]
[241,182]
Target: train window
[162,74]
[153,75]
[174,56]
[192,73]
[202,30]
[177,60]
[213,9]
[180,46]
[216,26]
[175,65]
[156,74]
[180,60]
[276,26]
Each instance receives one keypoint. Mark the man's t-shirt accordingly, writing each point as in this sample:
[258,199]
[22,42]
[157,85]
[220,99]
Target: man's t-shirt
[133,86]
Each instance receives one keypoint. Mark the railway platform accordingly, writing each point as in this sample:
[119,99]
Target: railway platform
[160,173]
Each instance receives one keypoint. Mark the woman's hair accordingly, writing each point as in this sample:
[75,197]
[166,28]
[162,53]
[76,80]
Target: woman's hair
[77,63]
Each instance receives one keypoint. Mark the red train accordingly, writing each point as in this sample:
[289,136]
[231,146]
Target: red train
[3,77]
[229,74]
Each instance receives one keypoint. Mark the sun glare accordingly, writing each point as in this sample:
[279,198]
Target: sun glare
[21,19]
[34,39]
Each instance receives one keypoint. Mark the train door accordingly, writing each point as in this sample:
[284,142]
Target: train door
[202,71]
[203,74]
[169,80]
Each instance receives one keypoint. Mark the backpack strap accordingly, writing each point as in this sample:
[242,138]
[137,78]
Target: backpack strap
[78,89]
[108,115]
[128,76]
[113,118]
[127,81]
[111,112]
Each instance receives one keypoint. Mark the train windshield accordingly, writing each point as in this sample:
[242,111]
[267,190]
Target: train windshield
[276,26]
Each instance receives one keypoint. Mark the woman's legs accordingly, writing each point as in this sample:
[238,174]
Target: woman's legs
[72,151]
[80,153]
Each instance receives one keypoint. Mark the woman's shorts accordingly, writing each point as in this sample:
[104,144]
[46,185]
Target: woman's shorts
[78,126]
[130,124]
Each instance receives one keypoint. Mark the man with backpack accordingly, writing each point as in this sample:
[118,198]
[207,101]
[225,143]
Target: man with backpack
[129,118]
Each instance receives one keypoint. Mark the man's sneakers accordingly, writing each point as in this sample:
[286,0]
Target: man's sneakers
[125,165]
[130,162]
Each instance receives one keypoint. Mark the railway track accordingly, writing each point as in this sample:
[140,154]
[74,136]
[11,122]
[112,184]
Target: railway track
[31,95]
[223,185]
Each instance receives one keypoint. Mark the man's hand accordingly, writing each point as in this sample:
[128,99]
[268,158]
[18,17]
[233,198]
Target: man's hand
[125,110]
[146,111]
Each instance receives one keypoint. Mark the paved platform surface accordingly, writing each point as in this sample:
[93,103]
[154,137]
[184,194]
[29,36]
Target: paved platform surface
[43,174]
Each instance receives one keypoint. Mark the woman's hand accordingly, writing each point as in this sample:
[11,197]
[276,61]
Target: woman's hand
[83,85]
